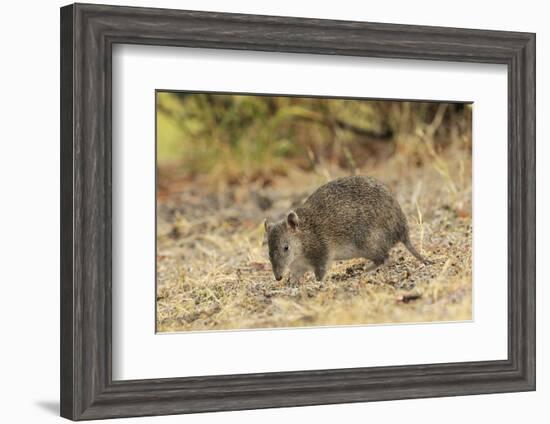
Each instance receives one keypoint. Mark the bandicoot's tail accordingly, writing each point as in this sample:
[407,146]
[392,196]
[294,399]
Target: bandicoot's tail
[411,248]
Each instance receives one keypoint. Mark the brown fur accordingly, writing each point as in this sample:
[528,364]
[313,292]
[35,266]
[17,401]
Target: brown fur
[346,218]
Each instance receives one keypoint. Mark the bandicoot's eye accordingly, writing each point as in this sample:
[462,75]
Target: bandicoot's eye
[286,247]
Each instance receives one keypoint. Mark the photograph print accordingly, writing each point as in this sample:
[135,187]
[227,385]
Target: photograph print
[281,211]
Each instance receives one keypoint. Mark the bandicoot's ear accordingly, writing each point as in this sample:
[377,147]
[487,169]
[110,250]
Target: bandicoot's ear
[292,220]
[267,225]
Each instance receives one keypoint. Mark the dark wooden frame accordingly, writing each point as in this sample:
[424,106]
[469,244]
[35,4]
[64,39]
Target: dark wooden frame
[88,33]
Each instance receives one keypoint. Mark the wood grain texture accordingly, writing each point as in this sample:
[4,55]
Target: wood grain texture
[88,33]
[66,211]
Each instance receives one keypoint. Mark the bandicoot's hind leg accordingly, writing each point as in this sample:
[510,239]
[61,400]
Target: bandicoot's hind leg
[376,262]
[414,252]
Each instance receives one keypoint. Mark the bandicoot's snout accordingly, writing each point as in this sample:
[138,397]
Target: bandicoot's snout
[278,272]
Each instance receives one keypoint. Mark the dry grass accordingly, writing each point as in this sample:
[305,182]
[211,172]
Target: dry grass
[213,272]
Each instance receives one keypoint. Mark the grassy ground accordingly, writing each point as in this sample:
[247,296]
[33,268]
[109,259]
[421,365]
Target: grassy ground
[213,271]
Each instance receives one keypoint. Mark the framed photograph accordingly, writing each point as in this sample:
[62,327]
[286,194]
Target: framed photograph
[262,212]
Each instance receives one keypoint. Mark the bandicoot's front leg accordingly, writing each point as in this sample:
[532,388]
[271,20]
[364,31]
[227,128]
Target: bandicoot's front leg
[320,271]
[320,260]
[297,270]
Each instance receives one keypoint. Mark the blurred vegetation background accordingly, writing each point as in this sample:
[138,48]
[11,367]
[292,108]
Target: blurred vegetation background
[243,138]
